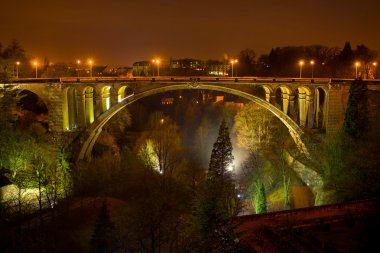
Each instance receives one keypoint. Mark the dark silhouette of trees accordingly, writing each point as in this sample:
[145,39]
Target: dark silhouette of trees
[328,62]
[9,56]
[247,63]
[14,51]
[356,119]
[103,238]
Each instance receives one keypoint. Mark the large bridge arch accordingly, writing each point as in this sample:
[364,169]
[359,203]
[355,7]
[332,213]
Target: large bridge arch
[90,136]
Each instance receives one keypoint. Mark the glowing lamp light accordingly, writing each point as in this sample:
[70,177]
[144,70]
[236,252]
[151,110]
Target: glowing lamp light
[312,68]
[230,167]
[35,63]
[357,64]
[90,62]
[17,64]
[233,61]
[301,63]
[157,61]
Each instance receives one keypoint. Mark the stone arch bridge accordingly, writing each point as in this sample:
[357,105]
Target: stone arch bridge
[80,107]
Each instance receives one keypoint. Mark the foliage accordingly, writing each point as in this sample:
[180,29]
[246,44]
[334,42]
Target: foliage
[28,159]
[254,127]
[216,200]
[255,172]
[260,198]
[148,156]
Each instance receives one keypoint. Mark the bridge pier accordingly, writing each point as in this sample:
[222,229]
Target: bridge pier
[303,105]
[311,110]
[291,109]
[89,106]
[285,102]
[81,109]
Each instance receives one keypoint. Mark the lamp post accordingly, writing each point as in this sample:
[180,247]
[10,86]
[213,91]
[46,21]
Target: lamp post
[357,64]
[36,64]
[78,64]
[301,63]
[157,61]
[17,64]
[375,71]
[90,62]
[236,62]
[232,67]
[312,68]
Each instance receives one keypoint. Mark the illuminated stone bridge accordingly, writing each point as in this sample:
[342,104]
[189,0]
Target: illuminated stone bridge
[80,107]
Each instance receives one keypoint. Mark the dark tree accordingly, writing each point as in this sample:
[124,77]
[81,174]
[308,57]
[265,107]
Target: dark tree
[346,56]
[216,199]
[14,51]
[221,156]
[356,119]
[246,65]
[102,240]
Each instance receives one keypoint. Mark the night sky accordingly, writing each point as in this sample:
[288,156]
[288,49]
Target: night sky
[119,32]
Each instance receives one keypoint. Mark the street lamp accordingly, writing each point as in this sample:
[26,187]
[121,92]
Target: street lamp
[78,63]
[357,64]
[312,68]
[36,64]
[232,66]
[17,64]
[301,63]
[157,61]
[90,62]
[375,72]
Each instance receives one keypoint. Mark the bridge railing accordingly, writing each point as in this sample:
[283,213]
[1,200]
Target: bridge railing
[193,79]
[190,79]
